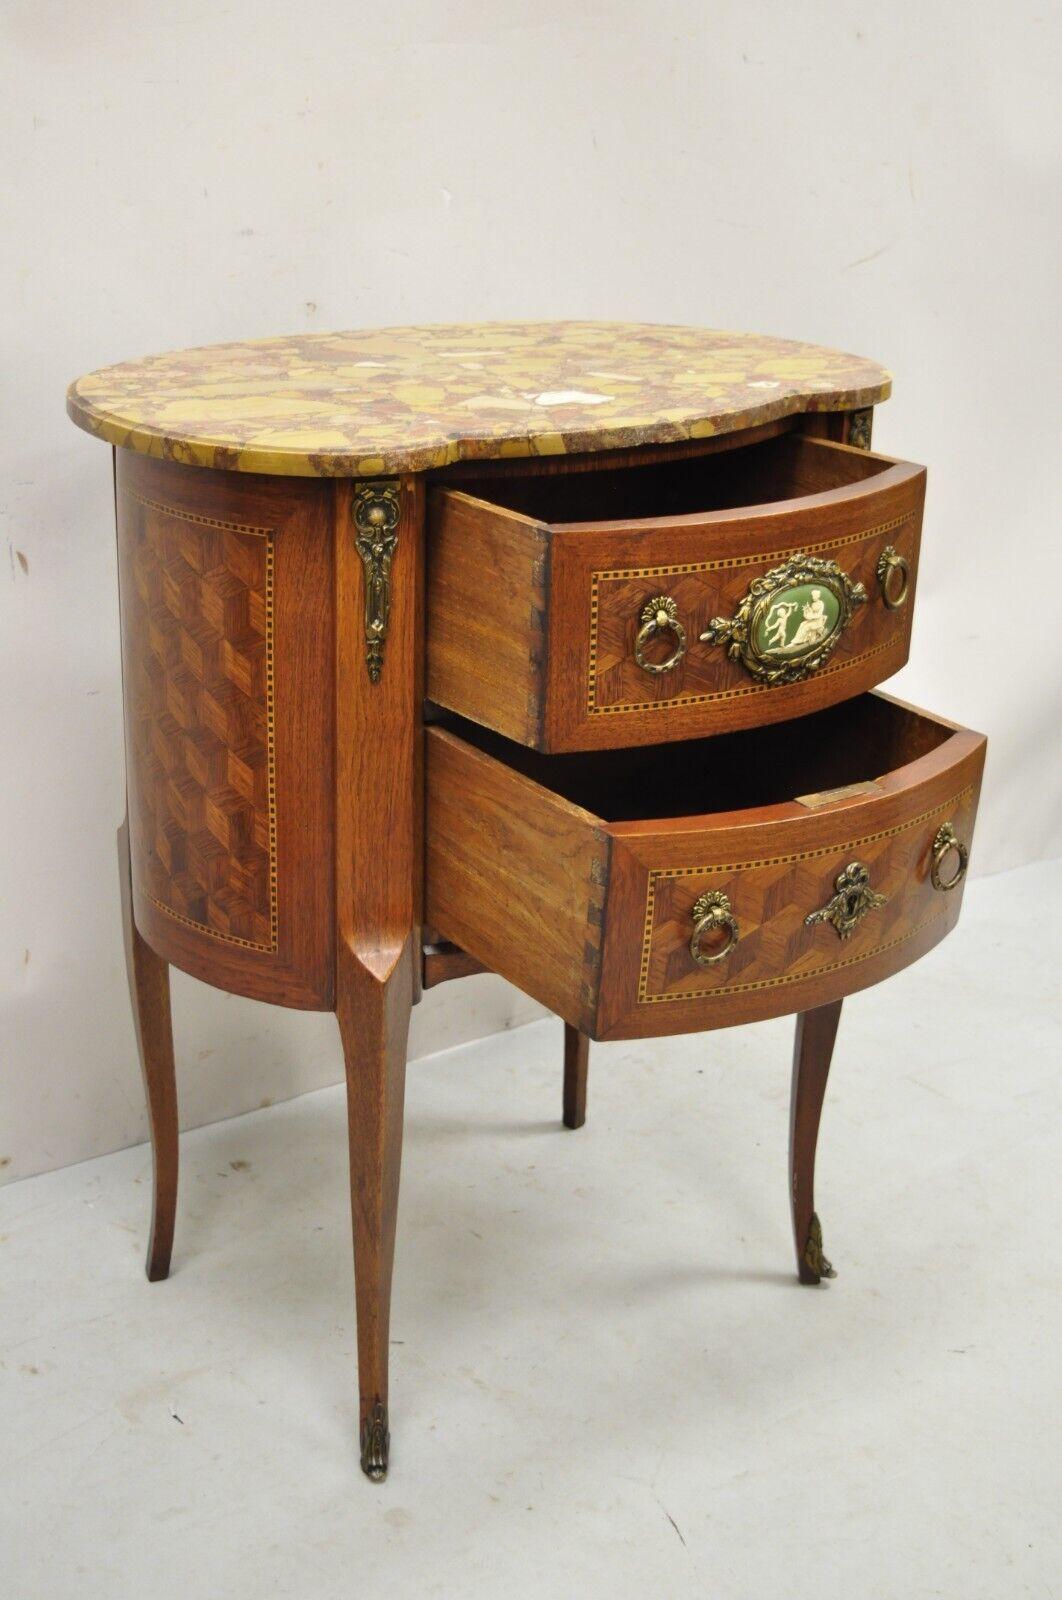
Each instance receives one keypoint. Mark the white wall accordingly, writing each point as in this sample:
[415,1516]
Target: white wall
[883,179]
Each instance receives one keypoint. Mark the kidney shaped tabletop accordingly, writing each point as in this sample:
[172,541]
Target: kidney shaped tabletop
[392,400]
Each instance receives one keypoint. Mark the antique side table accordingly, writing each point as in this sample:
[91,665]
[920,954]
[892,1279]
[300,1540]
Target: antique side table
[543,649]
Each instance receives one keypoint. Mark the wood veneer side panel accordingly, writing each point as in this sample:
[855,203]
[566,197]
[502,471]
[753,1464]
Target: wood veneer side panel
[516,875]
[488,581]
[227,646]
[778,864]
[305,715]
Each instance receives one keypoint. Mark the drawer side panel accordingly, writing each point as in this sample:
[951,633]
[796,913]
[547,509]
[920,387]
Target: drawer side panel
[516,876]
[487,602]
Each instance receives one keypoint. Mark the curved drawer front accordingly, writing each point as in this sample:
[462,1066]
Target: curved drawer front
[645,629]
[686,922]
[811,585]
[820,905]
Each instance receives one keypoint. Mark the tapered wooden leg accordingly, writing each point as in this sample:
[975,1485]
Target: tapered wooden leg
[576,1063]
[379,862]
[373,1005]
[812,1051]
[149,991]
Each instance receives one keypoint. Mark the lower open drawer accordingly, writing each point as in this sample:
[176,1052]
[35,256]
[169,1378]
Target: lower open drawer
[697,885]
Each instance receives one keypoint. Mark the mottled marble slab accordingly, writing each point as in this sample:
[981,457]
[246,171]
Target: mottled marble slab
[409,399]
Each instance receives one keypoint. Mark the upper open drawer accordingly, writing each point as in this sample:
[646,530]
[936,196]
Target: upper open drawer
[579,610]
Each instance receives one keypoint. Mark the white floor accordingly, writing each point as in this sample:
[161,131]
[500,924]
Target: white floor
[606,1380]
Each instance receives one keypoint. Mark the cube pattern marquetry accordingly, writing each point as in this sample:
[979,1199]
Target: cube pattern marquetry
[771,899]
[200,716]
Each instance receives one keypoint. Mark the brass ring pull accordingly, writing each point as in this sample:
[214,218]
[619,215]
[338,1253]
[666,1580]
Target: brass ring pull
[946,841]
[659,615]
[712,911]
[890,562]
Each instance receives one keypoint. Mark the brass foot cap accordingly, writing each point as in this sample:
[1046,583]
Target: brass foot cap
[815,1262]
[375,1443]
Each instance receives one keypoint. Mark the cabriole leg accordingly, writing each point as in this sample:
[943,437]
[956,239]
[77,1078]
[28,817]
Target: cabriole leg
[149,991]
[812,1051]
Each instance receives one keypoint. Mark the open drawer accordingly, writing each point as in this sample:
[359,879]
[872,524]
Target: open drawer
[697,885]
[595,609]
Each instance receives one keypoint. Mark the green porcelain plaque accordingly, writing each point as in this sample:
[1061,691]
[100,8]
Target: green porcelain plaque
[791,620]
[796,621]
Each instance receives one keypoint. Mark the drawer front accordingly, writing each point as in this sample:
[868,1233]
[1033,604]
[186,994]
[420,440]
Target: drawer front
[798,910]
[595,635]
[788,905]
[778,613]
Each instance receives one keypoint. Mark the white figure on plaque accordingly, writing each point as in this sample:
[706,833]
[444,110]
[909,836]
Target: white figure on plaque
[777,622]
[813,628]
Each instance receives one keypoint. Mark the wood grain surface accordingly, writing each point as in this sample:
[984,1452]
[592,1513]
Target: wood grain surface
[149,994]
[533,616]
[227,655]
[378,876]
[526,852]
[813,1044]
[486,614]
[515,875]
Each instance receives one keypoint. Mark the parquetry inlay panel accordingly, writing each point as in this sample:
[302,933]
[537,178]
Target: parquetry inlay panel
[202,763]
[771,899]
[703,589]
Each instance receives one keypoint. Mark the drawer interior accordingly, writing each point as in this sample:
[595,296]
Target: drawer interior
[854,742]
[786,467]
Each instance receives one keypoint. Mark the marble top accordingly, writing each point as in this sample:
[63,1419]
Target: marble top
[390,400]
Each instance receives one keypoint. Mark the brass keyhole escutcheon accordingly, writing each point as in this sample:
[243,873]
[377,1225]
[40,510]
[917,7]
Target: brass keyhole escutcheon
[659,615]
[945,842]
[712,915]
[854,897]
[893,578]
